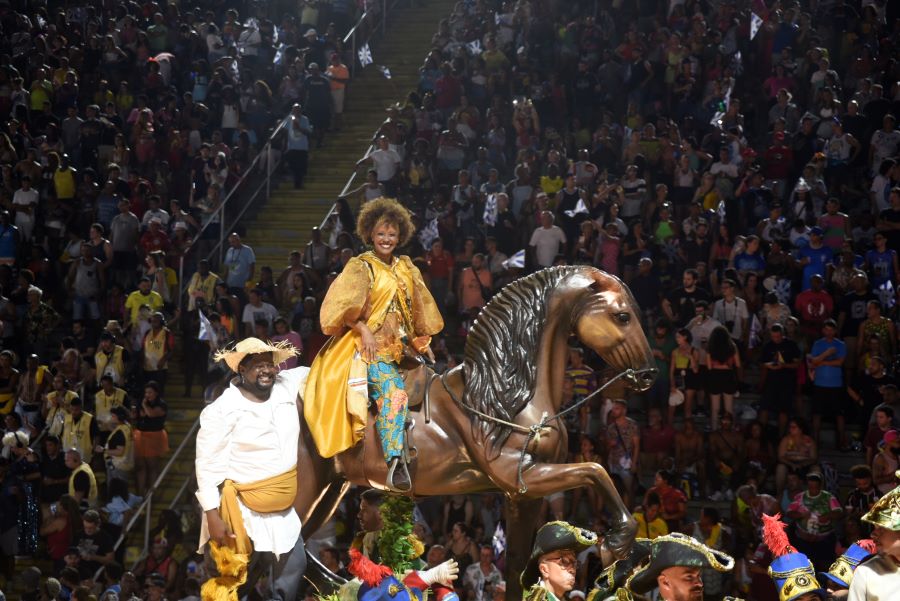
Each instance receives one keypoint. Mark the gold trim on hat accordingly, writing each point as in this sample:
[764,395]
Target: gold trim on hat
[886,511]
[693,544]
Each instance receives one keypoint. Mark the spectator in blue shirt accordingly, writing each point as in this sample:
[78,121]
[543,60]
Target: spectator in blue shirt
[751,260]
[815,258]
[240,263]
[826,360]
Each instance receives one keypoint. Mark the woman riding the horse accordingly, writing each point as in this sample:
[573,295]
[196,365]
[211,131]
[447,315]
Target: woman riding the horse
[376,311]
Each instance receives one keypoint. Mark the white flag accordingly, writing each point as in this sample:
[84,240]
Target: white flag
[428,235]
[490,210]
[755,23]
[206,329]
[365,56]
[517,260]
[497,18]
[579,208]
[475,47]
[385,71]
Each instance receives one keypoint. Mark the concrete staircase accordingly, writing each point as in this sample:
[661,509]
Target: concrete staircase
[285,221]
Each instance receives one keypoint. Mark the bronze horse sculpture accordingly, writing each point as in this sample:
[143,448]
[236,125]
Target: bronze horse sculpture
[489,428]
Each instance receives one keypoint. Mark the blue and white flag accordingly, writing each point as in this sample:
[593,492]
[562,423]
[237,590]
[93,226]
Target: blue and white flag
[385,71]
[579,208]
[474,47]
[490,210]
[429,234]
[365,56]
[206,329]
[498,541]
[782,290]
[886,295]
[755,23]
[517,260]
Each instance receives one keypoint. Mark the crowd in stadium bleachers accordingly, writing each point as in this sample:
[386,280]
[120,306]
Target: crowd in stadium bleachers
[742,178]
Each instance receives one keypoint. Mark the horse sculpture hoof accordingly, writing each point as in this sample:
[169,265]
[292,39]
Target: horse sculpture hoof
[620,539]
[398,479]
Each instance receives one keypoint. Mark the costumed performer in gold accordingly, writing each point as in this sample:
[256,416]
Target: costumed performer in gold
[878,578]
[247,474]
[376,311]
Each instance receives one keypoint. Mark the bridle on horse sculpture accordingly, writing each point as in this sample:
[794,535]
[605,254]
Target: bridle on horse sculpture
[533,432]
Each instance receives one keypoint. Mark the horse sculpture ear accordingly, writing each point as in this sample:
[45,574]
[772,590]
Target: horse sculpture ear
[603,282]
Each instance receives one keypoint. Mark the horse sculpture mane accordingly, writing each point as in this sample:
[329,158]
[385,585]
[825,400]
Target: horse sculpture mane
[499,364]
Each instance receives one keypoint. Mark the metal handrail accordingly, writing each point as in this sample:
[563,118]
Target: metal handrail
[266,155]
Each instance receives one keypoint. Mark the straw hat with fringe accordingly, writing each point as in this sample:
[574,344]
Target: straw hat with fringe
[281,351]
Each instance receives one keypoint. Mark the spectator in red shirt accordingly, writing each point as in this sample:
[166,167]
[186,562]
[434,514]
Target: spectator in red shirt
[440,272]
[658,441]
[155,238]
[778,160]
[674,501]
[815,305]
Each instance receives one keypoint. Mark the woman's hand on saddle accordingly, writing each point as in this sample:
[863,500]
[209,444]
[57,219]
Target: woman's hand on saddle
[218,531]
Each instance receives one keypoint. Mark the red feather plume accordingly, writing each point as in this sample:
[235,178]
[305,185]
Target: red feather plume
[868,544]
[367,570]
[775,537]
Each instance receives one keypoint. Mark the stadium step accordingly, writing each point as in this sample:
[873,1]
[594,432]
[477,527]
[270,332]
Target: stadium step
[284,222]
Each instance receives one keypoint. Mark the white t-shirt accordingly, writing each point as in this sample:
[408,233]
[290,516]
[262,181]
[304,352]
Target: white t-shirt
[386,162]
[546,242]
[263,311]
[23,198]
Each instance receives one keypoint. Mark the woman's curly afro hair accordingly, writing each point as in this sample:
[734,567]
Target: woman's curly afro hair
[389,211]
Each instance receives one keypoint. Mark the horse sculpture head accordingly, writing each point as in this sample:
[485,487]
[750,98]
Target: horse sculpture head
[509,340]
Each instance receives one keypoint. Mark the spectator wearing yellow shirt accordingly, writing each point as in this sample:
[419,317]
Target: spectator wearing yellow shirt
[142,296]
[202,285]
[649,521]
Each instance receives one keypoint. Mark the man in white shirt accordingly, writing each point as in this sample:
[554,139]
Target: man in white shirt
[247,444]
[481,578]
[25,201]
[546,241]
[387,163]
[878,578]
[257,310]
[724,166]
[731,311]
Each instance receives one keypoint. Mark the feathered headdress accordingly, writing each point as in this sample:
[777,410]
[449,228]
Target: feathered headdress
[791,570]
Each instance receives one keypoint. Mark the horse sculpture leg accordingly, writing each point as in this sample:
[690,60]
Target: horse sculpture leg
[521,524]
[543,479]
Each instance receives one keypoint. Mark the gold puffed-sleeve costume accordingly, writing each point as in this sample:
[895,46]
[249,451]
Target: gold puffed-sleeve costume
[397,307]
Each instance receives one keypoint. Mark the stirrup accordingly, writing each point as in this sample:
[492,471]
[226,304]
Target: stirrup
[398,463]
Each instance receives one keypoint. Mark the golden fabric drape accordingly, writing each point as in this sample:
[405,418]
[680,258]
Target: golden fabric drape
[263,496]
[369,289]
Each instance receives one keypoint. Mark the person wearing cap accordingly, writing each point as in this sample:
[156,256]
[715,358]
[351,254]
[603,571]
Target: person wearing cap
[674,567]
[839,576]
[550,571]
[815,258]
[878,578]
[377,311]
[825,360]
[885,463]
[792,572]
[247,445]
[317,100]
[110,360]
[155,238]
[815,511]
